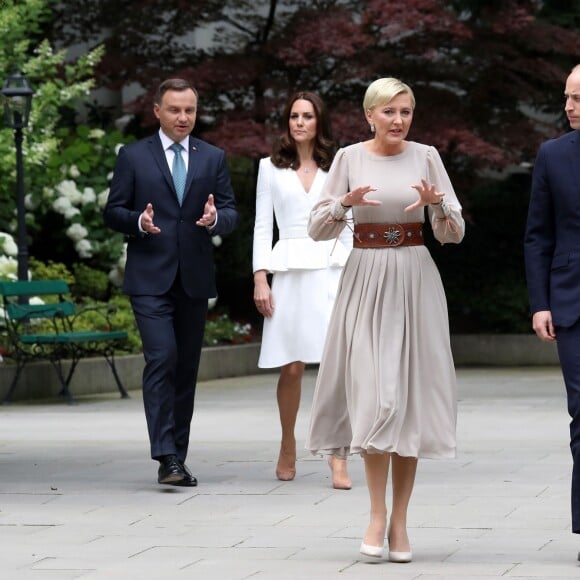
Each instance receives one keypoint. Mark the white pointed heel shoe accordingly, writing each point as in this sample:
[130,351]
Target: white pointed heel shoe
[375,552]
[400,557]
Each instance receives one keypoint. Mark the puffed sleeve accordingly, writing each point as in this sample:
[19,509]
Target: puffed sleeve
[446,219]
[264,221]
[345,237]
[327,218]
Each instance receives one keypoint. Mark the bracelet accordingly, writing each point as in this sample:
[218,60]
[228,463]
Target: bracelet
[344,207]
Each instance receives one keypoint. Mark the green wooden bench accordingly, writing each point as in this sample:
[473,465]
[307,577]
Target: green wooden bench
[47,331]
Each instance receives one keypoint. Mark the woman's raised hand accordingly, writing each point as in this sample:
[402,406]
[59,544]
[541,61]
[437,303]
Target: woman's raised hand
[357,197]
[427,195]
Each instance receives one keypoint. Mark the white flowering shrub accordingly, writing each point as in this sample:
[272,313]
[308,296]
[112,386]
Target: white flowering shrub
[68,213]
[8,262]
[67,170]
[8,268]
[117,272]
[8,246]
[57,82]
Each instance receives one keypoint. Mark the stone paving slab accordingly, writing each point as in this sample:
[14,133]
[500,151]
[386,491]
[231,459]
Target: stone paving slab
[79,498]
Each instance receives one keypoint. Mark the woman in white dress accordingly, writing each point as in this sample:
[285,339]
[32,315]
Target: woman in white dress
[297,307]
[386,386]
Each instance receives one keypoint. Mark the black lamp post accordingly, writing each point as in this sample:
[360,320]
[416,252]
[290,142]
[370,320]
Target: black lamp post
[17,101]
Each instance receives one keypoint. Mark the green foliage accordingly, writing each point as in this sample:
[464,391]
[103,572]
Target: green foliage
[20,21]
[502,306]
[77,175]
[234,256]
[122,318]
[57,82]
[497,64]
[221,329]
[484,276]
[8,263]
[87,283]
[488,77]
[90,283]
[50,271]
[67,172]
[115,314]
[562,12]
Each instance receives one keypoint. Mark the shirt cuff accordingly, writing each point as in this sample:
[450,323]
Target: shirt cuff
[139,224]
[212,227]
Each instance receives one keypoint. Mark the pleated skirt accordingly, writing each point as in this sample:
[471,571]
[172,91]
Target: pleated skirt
[386,382]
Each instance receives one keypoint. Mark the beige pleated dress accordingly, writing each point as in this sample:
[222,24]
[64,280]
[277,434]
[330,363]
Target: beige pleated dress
[386,382]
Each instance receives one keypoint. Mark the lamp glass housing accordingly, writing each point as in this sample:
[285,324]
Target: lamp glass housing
[17,95]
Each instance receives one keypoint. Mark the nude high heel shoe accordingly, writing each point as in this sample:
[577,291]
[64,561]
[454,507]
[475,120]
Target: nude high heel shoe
[286,467]
[340,478]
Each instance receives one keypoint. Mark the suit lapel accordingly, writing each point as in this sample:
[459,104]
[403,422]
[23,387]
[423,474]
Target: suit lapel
[161,160]
[574,160]
[192,166]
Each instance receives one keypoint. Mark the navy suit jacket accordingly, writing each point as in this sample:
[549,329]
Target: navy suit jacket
[552,241]
[142,176]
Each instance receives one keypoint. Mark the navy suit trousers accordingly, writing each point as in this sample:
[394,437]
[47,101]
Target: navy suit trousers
[171,327]
[569,352]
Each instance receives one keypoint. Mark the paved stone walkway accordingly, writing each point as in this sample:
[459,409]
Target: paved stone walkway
[79,498]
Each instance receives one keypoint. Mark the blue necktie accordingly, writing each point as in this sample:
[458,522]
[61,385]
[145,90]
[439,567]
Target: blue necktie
[178,171]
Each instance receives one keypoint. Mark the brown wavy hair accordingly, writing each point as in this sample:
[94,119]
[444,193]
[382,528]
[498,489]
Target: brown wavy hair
[284,152]
[172,85]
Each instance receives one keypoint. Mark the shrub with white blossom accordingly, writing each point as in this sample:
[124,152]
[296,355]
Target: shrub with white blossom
[8,262]
[57,82]
[80,171]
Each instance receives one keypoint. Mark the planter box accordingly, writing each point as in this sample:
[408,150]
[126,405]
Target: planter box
[502,350]
[93,376]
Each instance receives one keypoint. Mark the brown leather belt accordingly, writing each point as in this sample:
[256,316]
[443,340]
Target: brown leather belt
[388,235]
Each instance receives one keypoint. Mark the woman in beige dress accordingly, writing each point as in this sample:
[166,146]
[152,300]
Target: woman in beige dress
[386,386]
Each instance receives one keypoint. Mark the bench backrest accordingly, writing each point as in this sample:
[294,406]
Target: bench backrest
[26,311]
[14,310]
[33,288]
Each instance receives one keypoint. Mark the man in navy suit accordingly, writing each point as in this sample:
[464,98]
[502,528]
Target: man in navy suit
[552,254]
[170,207]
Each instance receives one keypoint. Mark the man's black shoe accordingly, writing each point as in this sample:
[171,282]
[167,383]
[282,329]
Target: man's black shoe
[169,470]
[189,480]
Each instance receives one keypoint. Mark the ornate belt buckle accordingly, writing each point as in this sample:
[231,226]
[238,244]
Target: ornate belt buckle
[394,236]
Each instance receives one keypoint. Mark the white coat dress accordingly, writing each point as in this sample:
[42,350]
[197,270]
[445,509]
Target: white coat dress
[305,273]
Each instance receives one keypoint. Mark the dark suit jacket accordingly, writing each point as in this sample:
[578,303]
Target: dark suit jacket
[142,176]
[552,242]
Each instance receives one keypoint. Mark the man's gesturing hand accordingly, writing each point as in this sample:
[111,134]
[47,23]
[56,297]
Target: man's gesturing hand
[147,224]
[209,213]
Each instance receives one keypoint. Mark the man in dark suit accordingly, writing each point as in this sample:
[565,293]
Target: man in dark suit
[552,254]
[171,193]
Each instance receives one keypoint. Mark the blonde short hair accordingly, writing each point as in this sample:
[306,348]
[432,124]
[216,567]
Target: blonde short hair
[385,90]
